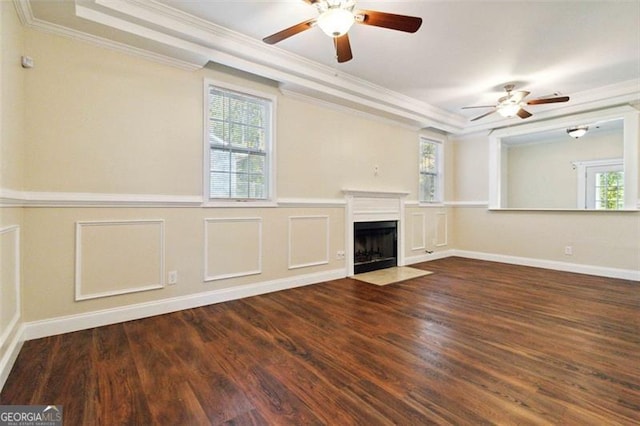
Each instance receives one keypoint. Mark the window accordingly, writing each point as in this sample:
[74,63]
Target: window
[239,145]
[601,184]
[605,187]
[431,182]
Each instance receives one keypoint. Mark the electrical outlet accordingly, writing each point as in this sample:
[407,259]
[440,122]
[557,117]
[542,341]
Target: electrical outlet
[568,250]
[173,278]
[340,255]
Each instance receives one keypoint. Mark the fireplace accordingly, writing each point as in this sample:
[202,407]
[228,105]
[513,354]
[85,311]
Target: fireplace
[365,208]
[375,245]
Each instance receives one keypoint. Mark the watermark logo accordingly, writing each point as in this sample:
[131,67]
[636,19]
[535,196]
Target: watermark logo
[30,415]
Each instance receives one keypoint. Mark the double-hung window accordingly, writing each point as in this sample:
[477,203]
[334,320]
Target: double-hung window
[431,182]
[239,128]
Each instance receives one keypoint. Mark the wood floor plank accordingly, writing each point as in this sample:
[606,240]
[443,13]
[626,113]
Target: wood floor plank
[473,343]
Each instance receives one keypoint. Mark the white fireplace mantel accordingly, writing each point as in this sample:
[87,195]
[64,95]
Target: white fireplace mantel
[373,206]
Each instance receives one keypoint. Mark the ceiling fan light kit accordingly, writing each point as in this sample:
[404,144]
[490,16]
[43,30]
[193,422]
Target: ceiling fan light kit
[509,110]
[513,104]
[578,131]
[336,22]
[335,19]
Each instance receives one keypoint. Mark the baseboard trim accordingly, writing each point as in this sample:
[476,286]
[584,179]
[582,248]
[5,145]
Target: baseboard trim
[625,274]
[70,323]
[427,257]
[10,355]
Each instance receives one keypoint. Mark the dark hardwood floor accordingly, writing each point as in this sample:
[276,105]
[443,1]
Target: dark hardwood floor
[474,343]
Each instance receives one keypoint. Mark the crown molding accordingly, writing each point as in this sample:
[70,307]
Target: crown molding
[27,18]
[185,36]
[239,51]
[360,112]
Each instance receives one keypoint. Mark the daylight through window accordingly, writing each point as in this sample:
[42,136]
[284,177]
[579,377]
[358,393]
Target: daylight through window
[239,138]
[609,190]
[602,183]
[430,171]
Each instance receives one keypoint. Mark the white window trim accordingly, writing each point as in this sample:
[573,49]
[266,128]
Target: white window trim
[271,201]
[440,188]
[581,170]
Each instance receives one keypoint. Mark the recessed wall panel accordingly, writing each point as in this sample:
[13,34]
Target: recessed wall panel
[118,257]
[417,231]
[441,229]
[9,280]
[233,247]
[308,241]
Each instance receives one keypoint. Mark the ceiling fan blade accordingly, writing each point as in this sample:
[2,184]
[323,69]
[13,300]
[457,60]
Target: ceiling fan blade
[548,100]
[343,48]
[523,114]
[288,32]
[409,24]
[479,106]
[483,115]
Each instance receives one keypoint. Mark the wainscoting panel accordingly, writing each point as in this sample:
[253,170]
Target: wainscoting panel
[9,280]
[417,231]
[118,257]
[233,247]
[308,241]
[441,230]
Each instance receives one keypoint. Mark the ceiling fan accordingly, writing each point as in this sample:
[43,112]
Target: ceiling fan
[512,104]
[336,18]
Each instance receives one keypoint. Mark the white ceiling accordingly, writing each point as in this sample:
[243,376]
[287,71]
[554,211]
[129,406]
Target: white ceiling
[463,54]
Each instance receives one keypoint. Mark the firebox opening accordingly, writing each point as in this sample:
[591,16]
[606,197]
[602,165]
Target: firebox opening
[375,245]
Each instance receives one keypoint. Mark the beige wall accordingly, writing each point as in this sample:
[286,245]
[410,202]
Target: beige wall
[110,123]
[11,169]
[49,273]
[12,106]
[541,175]
[470,164]
[116,124]
[102,122]
[322,151]
[603,239]
[428,230]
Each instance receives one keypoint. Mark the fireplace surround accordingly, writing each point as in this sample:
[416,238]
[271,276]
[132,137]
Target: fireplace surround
[373,207]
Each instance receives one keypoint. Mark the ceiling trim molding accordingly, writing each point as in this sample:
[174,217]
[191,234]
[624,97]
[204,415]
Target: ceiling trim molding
[27,18]
[201,41]
[247,54]
[354,111]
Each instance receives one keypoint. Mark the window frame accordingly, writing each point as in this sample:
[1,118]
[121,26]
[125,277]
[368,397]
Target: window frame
[586,185]
[439,195]
[270,164]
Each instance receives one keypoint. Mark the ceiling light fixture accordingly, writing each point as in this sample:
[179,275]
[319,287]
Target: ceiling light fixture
[578,131]
[509,109]
[336,21]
